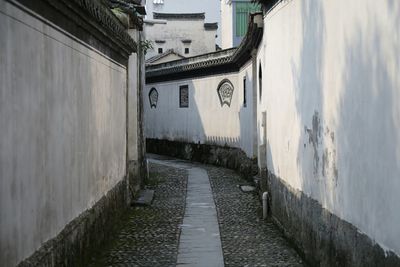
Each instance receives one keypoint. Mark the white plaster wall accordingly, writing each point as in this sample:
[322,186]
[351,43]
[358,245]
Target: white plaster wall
[205,121]
[246,118]
[62,131]
[226,24]
[336,62]
[174,31]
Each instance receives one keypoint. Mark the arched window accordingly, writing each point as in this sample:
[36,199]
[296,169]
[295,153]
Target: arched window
[260,81]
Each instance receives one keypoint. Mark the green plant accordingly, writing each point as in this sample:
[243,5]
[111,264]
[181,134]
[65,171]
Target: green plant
[146,45]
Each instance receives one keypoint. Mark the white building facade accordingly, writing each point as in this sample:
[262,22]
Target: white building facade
[186,34]
[211,8]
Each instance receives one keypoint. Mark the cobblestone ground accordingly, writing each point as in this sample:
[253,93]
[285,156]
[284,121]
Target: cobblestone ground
[247,240]
[149,236]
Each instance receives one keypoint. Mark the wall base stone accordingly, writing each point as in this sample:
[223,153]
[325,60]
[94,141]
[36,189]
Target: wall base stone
[323,238]
[227,157]
[85,233]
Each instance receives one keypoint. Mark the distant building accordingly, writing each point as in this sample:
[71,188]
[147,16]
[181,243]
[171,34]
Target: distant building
[234,20]
[184,34]
[209,7]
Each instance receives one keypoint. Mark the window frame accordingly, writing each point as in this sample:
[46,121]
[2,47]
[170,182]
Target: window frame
[181,88]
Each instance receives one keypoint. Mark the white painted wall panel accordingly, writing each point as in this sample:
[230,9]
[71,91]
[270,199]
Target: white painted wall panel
[331,91]
[62,131]
[205,121]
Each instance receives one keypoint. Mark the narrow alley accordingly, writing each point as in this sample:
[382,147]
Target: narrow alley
[278,122]
[183,226]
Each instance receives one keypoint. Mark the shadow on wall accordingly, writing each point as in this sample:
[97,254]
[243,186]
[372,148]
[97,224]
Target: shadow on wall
[65,143]
[308,88]
[220,119]
[185,135]
[194,123]
[246,119]
[369,130]
[354,168]
[244,140]
[220,140]
[182,121]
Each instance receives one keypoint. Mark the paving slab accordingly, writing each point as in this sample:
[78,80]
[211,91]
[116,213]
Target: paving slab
[200,244]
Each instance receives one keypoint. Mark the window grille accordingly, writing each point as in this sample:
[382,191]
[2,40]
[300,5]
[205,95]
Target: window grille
[183,96]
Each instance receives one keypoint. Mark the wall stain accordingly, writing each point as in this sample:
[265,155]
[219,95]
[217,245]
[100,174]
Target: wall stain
[314,137]
[324,160]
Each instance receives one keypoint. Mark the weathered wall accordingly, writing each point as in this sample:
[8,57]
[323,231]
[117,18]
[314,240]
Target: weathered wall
[330,85]
[173,32]
[205,121]
[62,130]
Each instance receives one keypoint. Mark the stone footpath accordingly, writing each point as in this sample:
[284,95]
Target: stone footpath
[149,236]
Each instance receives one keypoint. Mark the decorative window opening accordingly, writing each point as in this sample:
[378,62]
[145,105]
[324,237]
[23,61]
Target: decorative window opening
[260,81]
[153,97]
[186,50]
[160,50]
[184,96]
[225,92]
[244,92]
